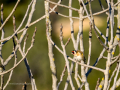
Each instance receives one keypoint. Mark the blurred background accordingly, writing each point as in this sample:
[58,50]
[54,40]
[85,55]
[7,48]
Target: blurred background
[38,55]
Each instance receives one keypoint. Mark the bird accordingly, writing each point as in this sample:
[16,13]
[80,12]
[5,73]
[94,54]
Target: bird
[78,55]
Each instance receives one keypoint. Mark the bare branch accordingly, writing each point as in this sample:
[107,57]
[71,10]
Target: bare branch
[10,14]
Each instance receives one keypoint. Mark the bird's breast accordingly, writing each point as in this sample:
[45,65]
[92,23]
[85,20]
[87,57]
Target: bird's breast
[78,58]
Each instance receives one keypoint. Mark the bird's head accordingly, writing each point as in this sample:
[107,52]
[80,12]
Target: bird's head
[73,52]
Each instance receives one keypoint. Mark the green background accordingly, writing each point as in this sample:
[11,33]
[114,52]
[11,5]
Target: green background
[38,55]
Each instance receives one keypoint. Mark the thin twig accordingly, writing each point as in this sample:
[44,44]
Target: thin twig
[10,14]
[76,75]
[66,59]
[98,82]
[117,58]
[115,78]
[18,62]
[63,5]
[67,42]
[90,46]
[25,43]
[73,40]
[27,64]
[113,73]
[62,75]
[24,86]
[11,72]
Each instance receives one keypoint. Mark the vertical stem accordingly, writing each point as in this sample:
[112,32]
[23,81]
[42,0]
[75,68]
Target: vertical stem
[74,43]
[90,45]
[50,48]
[117,37]
[71,23]
[118,29]
[23,53]
[68,68]
[112,20]
[115,78]
[84,78]
[24,86]
[66,59]
[1,70]
[67,82]
[80,33]
[29,20]
[76,75]
[111,14]
[118,82]
[113,73]
[11,73]
[2,37]
[107,71]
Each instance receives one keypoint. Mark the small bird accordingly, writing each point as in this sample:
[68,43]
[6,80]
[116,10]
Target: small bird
[78,55]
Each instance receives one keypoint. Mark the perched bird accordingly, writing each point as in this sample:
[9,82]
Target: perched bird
[78,55]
